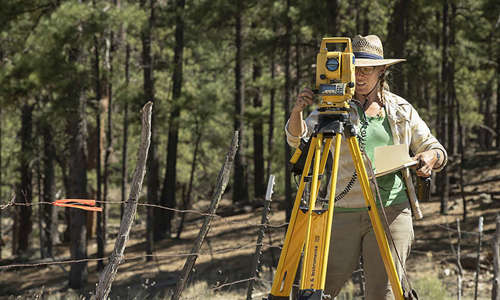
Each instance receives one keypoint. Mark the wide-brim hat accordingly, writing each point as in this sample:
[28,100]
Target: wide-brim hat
[368,52]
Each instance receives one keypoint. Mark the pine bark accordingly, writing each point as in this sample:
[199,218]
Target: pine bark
[258,136]
[77,128]
[1,169]
[22,222]
[125,133]
[286,109]
[152,179]
[498,96]
[398,33]
[97,90]
[168,197]
[109,139]
[452,127]
[49,190]
[187,201]
[240,186]
[272,94]
[444,179]
[332,8]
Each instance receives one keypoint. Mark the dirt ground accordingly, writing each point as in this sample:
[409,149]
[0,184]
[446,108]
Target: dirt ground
[228,251]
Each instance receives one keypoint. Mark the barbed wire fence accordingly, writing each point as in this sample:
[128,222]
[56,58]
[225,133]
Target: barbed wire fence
[117,257]
[454,255]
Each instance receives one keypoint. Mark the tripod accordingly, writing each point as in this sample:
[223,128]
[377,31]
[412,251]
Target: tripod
[310,228]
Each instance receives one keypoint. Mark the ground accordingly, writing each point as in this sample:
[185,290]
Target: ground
[228,251]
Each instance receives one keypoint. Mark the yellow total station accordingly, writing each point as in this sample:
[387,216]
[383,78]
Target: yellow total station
[335,73]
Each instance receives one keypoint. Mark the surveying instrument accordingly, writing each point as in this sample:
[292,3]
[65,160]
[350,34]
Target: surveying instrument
[309,229]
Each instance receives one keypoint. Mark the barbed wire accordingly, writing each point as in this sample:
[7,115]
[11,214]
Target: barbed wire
[157,256]
[455,230]
[227,220]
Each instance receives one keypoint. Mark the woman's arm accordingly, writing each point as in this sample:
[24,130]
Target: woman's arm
[296,128]
[428,150]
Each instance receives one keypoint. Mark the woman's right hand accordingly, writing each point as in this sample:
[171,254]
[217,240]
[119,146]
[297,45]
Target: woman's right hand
[304,98]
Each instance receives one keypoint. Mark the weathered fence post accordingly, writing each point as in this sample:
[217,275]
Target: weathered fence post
[263,226]
[108,274]
[495,293]
[459,264]
[480,232]
[222,181]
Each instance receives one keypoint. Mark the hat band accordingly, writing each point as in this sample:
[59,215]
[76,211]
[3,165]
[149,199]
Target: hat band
[367,55]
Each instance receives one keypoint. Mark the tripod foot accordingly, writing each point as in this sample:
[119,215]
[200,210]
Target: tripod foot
[271,297]
[313,295]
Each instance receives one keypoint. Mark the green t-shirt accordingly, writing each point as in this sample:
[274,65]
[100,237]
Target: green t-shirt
[391,186]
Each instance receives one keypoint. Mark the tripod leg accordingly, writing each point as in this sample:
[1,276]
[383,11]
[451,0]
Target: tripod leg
[375,219]
[310,272]
[294,239]
[318,242]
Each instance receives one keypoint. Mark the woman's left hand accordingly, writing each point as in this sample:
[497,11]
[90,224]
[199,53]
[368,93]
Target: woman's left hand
[427,160]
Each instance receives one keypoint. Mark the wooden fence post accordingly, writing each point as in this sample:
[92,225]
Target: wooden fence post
[459,264]
[495,293]
[480,232]
[222,181]
[108,274]
[263,226]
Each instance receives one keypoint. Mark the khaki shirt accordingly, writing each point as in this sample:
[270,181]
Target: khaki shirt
[407,127]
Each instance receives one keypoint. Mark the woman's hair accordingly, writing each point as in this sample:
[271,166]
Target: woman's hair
[383,85]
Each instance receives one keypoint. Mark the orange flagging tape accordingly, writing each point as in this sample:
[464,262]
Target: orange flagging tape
[84,204]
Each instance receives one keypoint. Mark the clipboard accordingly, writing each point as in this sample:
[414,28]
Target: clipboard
[389,159]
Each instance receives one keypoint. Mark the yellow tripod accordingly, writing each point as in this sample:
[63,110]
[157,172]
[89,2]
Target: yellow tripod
[309,229]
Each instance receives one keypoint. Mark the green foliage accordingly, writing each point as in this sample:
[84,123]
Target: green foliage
[431,287]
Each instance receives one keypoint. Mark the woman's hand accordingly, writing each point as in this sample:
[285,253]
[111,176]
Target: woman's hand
[427,160]
[304,98]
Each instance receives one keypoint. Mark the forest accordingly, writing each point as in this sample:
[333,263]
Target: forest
[75,75]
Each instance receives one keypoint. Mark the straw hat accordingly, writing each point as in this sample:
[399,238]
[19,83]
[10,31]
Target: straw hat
[369,52]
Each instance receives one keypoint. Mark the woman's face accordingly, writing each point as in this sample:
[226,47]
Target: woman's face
[367,78]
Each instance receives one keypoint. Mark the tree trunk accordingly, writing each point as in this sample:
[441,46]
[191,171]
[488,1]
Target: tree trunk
[1,169]
[187,200]
[38,158]
[286,108]
[97,89]
[258,136]
[297,63]
[49,187]
[125,133]
[152,165]
[109,141]
[398,33]
[164,223]
[240,186]
[76,123]
[498,96]
[272,93]
[22,221]
[77,127]
[443,178]
[332,8]
[452,128]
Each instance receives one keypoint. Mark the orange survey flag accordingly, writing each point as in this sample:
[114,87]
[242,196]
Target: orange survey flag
[84,204]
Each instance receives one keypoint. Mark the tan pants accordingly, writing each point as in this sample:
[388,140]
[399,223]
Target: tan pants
[352,236]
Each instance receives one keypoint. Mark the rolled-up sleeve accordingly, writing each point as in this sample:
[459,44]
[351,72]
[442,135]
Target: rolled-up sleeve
[294,141]
[422,138]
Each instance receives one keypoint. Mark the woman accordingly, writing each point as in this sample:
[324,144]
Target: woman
[385,119]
